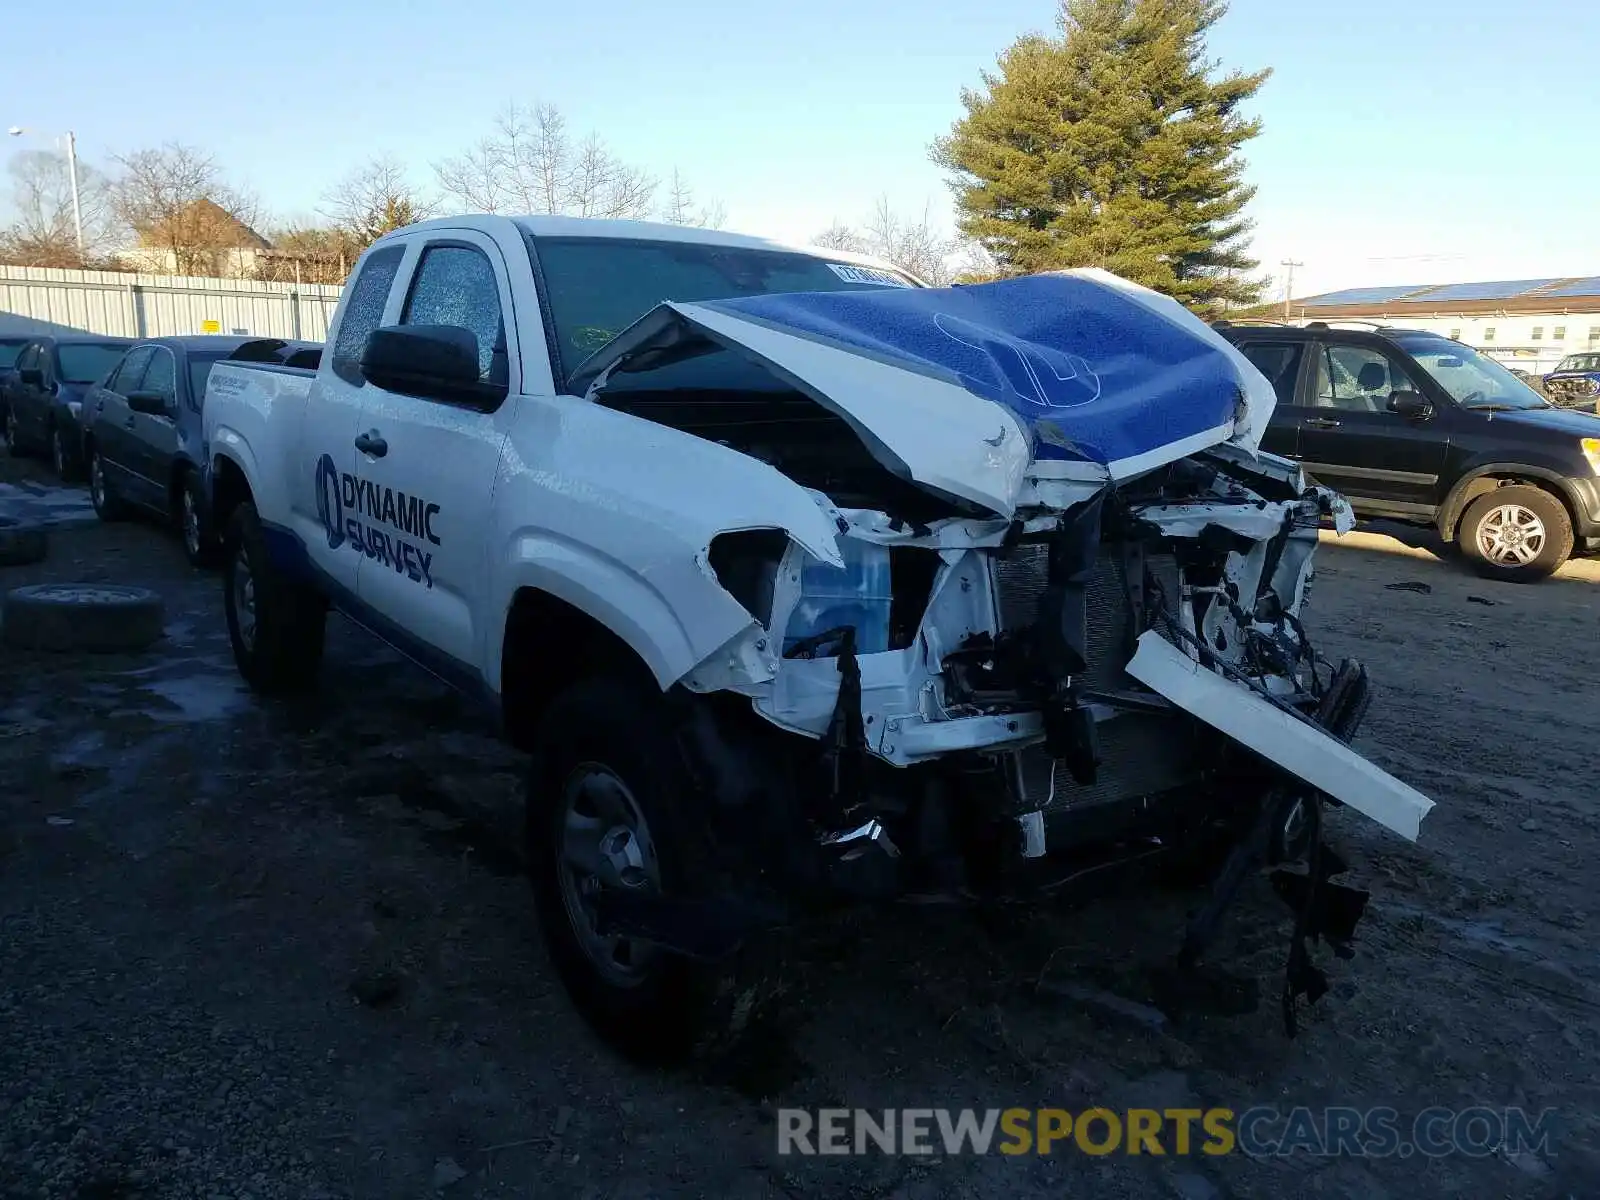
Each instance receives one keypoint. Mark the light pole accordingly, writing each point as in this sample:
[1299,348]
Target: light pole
[72,174]
[1288,288]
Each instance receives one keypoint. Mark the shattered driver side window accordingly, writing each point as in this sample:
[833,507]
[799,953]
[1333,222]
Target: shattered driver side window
[456,285]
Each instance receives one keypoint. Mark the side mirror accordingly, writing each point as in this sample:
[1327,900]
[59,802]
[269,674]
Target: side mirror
[151,403]
[438,362]
[31,376]
[1410,405]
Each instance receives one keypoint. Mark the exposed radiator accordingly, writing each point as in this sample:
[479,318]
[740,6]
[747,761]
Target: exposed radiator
[1020,581]
[1141,754]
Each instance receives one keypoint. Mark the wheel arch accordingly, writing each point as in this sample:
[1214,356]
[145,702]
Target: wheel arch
[550,643]
[1485,478]
[227,487]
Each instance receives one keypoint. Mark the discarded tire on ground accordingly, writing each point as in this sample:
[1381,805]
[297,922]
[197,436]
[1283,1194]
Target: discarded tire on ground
[21,544]
[98,617]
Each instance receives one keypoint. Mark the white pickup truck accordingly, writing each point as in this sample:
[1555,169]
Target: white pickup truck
[803,582]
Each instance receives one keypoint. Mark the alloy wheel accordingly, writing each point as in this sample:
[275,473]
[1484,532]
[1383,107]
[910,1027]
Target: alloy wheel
[1511,536]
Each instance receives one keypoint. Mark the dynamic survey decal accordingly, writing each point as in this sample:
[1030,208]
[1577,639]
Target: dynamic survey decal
[355,510]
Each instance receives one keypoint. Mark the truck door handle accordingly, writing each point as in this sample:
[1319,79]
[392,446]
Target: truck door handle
[1322,423]
[128,423]
[371,443]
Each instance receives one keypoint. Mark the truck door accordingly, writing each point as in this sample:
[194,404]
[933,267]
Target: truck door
[324,476]
[430,465]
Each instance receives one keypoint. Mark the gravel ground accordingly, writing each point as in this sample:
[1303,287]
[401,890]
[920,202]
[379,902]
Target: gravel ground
[263,951]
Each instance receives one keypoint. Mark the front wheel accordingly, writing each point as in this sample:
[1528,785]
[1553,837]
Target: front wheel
[610,805]
[275,624]
[1517,533]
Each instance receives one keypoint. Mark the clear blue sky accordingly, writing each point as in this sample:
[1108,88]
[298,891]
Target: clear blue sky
[1406,140]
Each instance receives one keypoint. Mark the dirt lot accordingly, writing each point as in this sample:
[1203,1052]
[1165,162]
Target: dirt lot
[257,951]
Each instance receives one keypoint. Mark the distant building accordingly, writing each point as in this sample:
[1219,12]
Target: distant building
[1526,323]
[214,242]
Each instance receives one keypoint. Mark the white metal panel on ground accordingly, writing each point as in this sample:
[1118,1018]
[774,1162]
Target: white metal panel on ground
[39,299]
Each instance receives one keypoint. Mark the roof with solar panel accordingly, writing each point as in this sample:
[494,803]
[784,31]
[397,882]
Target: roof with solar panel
[1574,292]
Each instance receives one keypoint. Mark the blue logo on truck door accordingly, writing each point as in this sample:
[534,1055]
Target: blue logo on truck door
[355,510]
[330,506]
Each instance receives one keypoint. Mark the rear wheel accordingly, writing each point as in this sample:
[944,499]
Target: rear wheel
[1517,533]
[108,506]
[611,806]
[199,543]
[275,624]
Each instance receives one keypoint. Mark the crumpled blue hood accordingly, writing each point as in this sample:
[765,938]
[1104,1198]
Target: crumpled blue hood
[1093,371]
[984,392]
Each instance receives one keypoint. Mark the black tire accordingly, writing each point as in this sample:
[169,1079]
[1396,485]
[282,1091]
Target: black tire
[201,545]
[108,506]
[275,624]
[1488,514]
[22,544]
[678,1010]
[61,460]
[96,617]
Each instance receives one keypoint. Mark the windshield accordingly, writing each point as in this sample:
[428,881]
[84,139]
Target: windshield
[199,371]
[1472,379]
[597,287]
[1579,362]
[87,362]
[8,352]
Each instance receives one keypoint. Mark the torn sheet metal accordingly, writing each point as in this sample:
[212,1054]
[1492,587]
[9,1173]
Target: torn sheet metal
[1299,748]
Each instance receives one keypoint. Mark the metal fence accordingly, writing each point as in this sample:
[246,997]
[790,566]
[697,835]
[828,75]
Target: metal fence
[45,300]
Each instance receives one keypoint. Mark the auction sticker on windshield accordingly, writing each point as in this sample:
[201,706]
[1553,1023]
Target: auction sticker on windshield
[867,275]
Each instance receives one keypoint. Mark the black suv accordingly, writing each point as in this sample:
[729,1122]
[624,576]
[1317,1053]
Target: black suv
[1416,427]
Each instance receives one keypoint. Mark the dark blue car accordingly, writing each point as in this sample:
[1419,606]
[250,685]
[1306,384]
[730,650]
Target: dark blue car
[1575,383]
[44,392]
[141,428]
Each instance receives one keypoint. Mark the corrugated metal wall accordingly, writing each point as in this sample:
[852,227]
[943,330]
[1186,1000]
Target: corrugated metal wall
[34,299]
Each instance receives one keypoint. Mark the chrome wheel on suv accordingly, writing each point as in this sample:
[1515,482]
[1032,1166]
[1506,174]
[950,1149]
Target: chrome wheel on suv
[1517,532]
[1511,536]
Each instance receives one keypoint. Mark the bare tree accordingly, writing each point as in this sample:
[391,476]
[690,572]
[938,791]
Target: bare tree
[681,209]
[178,206]
[840,236]
[307,252]
[911,245]
[530,163]
[41,195]
[373,200]
[973,264]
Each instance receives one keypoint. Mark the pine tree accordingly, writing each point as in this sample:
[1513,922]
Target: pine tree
[1112,145]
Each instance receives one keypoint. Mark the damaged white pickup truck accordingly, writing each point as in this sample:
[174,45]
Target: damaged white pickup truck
[804,583]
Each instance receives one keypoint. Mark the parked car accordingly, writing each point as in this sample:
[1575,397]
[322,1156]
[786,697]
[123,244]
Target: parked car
[1575,383]
[1415,427]
[141,428]
[806,586]
[44,393]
